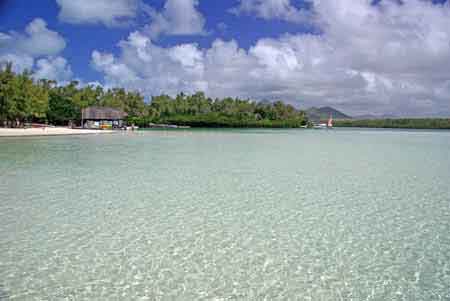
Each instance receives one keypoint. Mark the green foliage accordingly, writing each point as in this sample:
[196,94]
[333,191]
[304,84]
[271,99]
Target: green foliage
[130,102]
[218,120]
[199,111]
[23,99]
[404,123]
[62,104]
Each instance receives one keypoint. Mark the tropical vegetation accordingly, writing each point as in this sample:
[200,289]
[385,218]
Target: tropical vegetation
[24,99]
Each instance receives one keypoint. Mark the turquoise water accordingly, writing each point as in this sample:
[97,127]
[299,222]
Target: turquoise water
[226,215]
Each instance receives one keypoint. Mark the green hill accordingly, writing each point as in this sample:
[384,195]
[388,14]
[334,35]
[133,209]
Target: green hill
[323,113]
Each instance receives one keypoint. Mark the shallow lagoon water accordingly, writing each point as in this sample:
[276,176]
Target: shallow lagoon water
[347,214]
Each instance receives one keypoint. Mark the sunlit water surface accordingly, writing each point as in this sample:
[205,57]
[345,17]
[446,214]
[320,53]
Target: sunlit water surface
[225,215]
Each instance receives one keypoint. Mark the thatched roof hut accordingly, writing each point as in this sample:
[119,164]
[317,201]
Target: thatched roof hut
[102,117]
[102,113]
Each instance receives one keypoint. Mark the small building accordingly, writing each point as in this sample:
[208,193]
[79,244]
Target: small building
[102,118]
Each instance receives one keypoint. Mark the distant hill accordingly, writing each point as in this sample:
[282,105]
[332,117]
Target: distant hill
[323,113]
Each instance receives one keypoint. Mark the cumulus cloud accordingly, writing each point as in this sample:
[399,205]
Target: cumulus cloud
[54,69]
[20,61]
[35,49]
[178,17]
[384,58]
[273,9]
[179,67]
[37,40]
[107,12]
[113,70]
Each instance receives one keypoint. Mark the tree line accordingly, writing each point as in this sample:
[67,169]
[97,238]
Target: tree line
[24,99]
[399,123]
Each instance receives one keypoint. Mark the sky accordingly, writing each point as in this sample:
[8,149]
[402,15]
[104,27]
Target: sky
[379,57]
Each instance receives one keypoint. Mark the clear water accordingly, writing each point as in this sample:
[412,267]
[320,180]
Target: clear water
[226,215]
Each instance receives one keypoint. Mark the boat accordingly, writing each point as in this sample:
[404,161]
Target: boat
[328,125]
[320,126]
[167,126]
[131,128]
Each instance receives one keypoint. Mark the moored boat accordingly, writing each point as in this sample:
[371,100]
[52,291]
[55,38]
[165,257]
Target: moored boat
[328,125]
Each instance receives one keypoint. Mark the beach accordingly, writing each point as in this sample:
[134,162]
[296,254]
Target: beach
[48,131]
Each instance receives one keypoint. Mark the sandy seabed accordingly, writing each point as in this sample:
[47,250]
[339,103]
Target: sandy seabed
[48,131]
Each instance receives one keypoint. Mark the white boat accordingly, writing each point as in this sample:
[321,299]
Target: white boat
[328,125]
[320,126]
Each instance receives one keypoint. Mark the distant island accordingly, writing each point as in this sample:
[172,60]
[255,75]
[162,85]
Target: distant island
[318,115]
[396,123]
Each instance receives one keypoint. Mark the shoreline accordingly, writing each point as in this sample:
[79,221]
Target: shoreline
[391,128]
[48,131]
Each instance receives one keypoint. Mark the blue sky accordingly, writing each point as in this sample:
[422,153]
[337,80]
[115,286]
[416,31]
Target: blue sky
[383,57]
[82,40]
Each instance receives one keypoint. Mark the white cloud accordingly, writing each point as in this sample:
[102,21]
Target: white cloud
[107,12]
[381,58]
[273,9]
[37,40]
[178,17]
[20,61]
[113,69]
[151,69]
[54,69]
[36,49]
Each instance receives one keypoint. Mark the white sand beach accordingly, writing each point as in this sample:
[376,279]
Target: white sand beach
[48,131]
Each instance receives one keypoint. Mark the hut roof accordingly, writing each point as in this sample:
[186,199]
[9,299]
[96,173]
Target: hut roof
[103,113]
